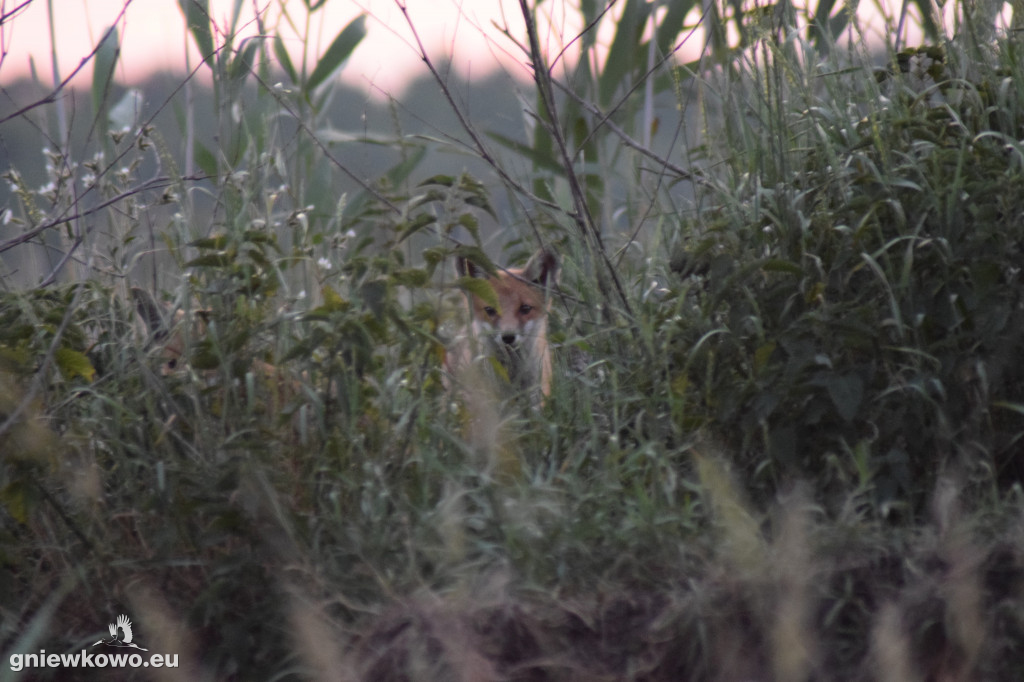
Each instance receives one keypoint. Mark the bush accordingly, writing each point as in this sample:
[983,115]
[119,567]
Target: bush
[782,439]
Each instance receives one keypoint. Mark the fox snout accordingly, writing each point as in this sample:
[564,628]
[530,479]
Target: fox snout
[512,324]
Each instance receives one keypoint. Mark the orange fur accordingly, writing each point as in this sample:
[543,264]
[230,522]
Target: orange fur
[515,332]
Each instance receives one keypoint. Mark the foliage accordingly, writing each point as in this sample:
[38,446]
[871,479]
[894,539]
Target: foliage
[867,307]
[783,438]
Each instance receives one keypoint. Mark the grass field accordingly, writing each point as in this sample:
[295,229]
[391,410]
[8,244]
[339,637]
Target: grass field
[783,440]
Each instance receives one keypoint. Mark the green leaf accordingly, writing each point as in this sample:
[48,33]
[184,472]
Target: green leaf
[197,19]
[73,363]
[415,225]
[217,242]
[244,60]
[541,158]
[820,28]
[1013,407]
[16,498]
[762,355]
[205,159]
[414,278]
[401,170]
[477,257]
[443,180]
[779,265]
[479,287]
[284,60]
[338,52]
[624,52]
[103,72]
[672,24]
[212,260]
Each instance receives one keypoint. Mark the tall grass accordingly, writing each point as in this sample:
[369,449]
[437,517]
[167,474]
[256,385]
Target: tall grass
[782,442]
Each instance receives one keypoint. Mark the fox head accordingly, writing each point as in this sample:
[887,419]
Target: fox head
[523,300]
[166,328]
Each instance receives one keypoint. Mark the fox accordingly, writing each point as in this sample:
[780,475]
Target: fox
[171,338]
[515,332]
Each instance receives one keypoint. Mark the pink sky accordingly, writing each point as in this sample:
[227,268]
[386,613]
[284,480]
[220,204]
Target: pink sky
[153,36]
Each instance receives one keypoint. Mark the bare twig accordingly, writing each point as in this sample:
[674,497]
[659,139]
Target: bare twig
[153,183]
[52,96]
[478,145]
[605,120]
[581,215]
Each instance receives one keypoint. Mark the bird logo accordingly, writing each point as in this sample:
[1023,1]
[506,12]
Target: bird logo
[120,634]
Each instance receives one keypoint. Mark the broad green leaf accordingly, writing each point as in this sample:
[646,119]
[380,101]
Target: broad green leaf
[476,256]
[401,170]
[236,12]
[1013,407]
[415,278]
[215,242]
[590,10]
[333,302]
[820,28]
[211,260]
[443,180]
[197,19]
[625,49]
[205,159]
[672,24]
[415,225]
[284,59]
[16,499]
[479,287]
[763,354]
[73,363]
[779,265]
[540,157]
[103,72]
[244,60]
[338,52]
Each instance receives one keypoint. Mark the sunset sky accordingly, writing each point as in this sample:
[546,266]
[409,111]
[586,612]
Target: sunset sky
[153,35]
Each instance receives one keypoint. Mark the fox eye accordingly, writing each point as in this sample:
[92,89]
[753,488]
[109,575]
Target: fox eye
[525,309]
[491,312]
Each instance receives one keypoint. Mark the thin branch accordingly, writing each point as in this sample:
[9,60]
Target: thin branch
[581,215]
[153,183]
[478,145]
[52,97]
[322,145]
[629,141]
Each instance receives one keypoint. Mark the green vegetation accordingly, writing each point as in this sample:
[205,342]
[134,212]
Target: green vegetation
[784,437]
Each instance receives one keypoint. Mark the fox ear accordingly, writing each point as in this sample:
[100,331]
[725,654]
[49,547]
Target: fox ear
[467,268]
[151,313]
[542,268]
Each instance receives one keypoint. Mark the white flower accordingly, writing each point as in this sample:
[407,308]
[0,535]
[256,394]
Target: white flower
[324,263]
